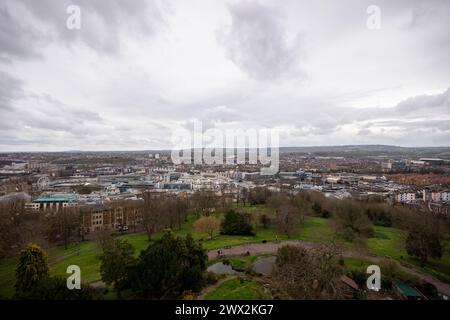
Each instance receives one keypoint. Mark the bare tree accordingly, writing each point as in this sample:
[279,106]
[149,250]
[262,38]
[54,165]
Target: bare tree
[208,225]
[288,219]
[151,213]
[204,202]
[307,273]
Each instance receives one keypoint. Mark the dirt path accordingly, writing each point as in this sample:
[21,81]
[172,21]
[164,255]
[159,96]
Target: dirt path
[272,247]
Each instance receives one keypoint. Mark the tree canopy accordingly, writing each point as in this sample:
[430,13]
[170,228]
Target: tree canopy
[168,267]
[236,223]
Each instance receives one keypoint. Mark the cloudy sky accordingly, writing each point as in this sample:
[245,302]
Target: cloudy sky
[137,70]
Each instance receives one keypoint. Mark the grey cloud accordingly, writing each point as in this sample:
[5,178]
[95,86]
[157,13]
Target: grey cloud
[222,114]
[257,42]
[102,23]
[17,40]
[433,124]
[412,115]
[420,106]
[10,89]
[425,102]
[47,113]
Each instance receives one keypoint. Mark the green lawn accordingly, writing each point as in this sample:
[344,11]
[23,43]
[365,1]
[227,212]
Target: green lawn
[235,289]
[390,242]
[316,229]
[241,263]
[354,263]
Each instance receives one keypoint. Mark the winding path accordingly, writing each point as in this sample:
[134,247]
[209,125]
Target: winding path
[272,247]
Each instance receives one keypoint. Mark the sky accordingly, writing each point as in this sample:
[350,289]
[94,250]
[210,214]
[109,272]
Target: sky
[137,71]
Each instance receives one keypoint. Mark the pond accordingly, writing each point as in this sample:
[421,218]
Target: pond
[264,265]
[222,268]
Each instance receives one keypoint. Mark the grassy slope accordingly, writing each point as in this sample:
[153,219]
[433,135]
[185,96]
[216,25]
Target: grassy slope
[233,289]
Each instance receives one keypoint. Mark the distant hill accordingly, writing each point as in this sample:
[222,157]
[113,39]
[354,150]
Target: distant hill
[372,150]
[345,150]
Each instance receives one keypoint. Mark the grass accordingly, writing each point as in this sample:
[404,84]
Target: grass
[356,264]
[316,229]
[390,242]
[236,289]
[241,263]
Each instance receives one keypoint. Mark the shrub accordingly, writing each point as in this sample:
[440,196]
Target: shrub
[235,223]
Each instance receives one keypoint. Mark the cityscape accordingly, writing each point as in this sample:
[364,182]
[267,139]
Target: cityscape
[224,158]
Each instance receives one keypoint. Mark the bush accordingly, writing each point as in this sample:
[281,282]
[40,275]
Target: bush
[428,290]
[210,278]
[55,288]
[235,223]
[348,234]
[359,276]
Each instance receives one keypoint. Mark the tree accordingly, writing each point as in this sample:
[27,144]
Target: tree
[235,223]
[151,213]
[423,240]
[17,227]
[351,221]
[181,211]
[307,273]
[168,267]
[258,195]
[31,269]
[380,214]
[115,263]
[242,195]
[288,219]
[62,225]
[207,225]
[265,220]
[276,200]
[205,201]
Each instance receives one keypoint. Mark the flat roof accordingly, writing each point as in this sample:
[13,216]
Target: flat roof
[55,199]
[407,290]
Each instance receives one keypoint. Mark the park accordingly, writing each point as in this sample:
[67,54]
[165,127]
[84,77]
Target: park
[244,250]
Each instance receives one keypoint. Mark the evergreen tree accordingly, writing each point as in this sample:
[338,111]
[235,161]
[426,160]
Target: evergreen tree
[116,261]
[235,223]
[31,269]
[168,267]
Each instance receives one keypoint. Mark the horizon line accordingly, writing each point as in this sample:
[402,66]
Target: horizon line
[281,147]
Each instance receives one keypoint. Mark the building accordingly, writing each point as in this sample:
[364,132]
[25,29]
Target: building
[405,197]
[111,216]
[436,196]
[52,202]
[349,288]
[407,292]
[440,196]
[432,161]
[386,165]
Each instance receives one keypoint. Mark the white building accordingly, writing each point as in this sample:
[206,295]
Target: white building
[439,196]
[405,197]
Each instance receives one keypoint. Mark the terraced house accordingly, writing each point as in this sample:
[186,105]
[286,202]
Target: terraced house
[111,216]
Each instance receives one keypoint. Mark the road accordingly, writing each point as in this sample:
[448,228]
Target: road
[272,247]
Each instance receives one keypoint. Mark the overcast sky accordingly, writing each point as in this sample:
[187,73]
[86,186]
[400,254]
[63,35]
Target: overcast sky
[137,70]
